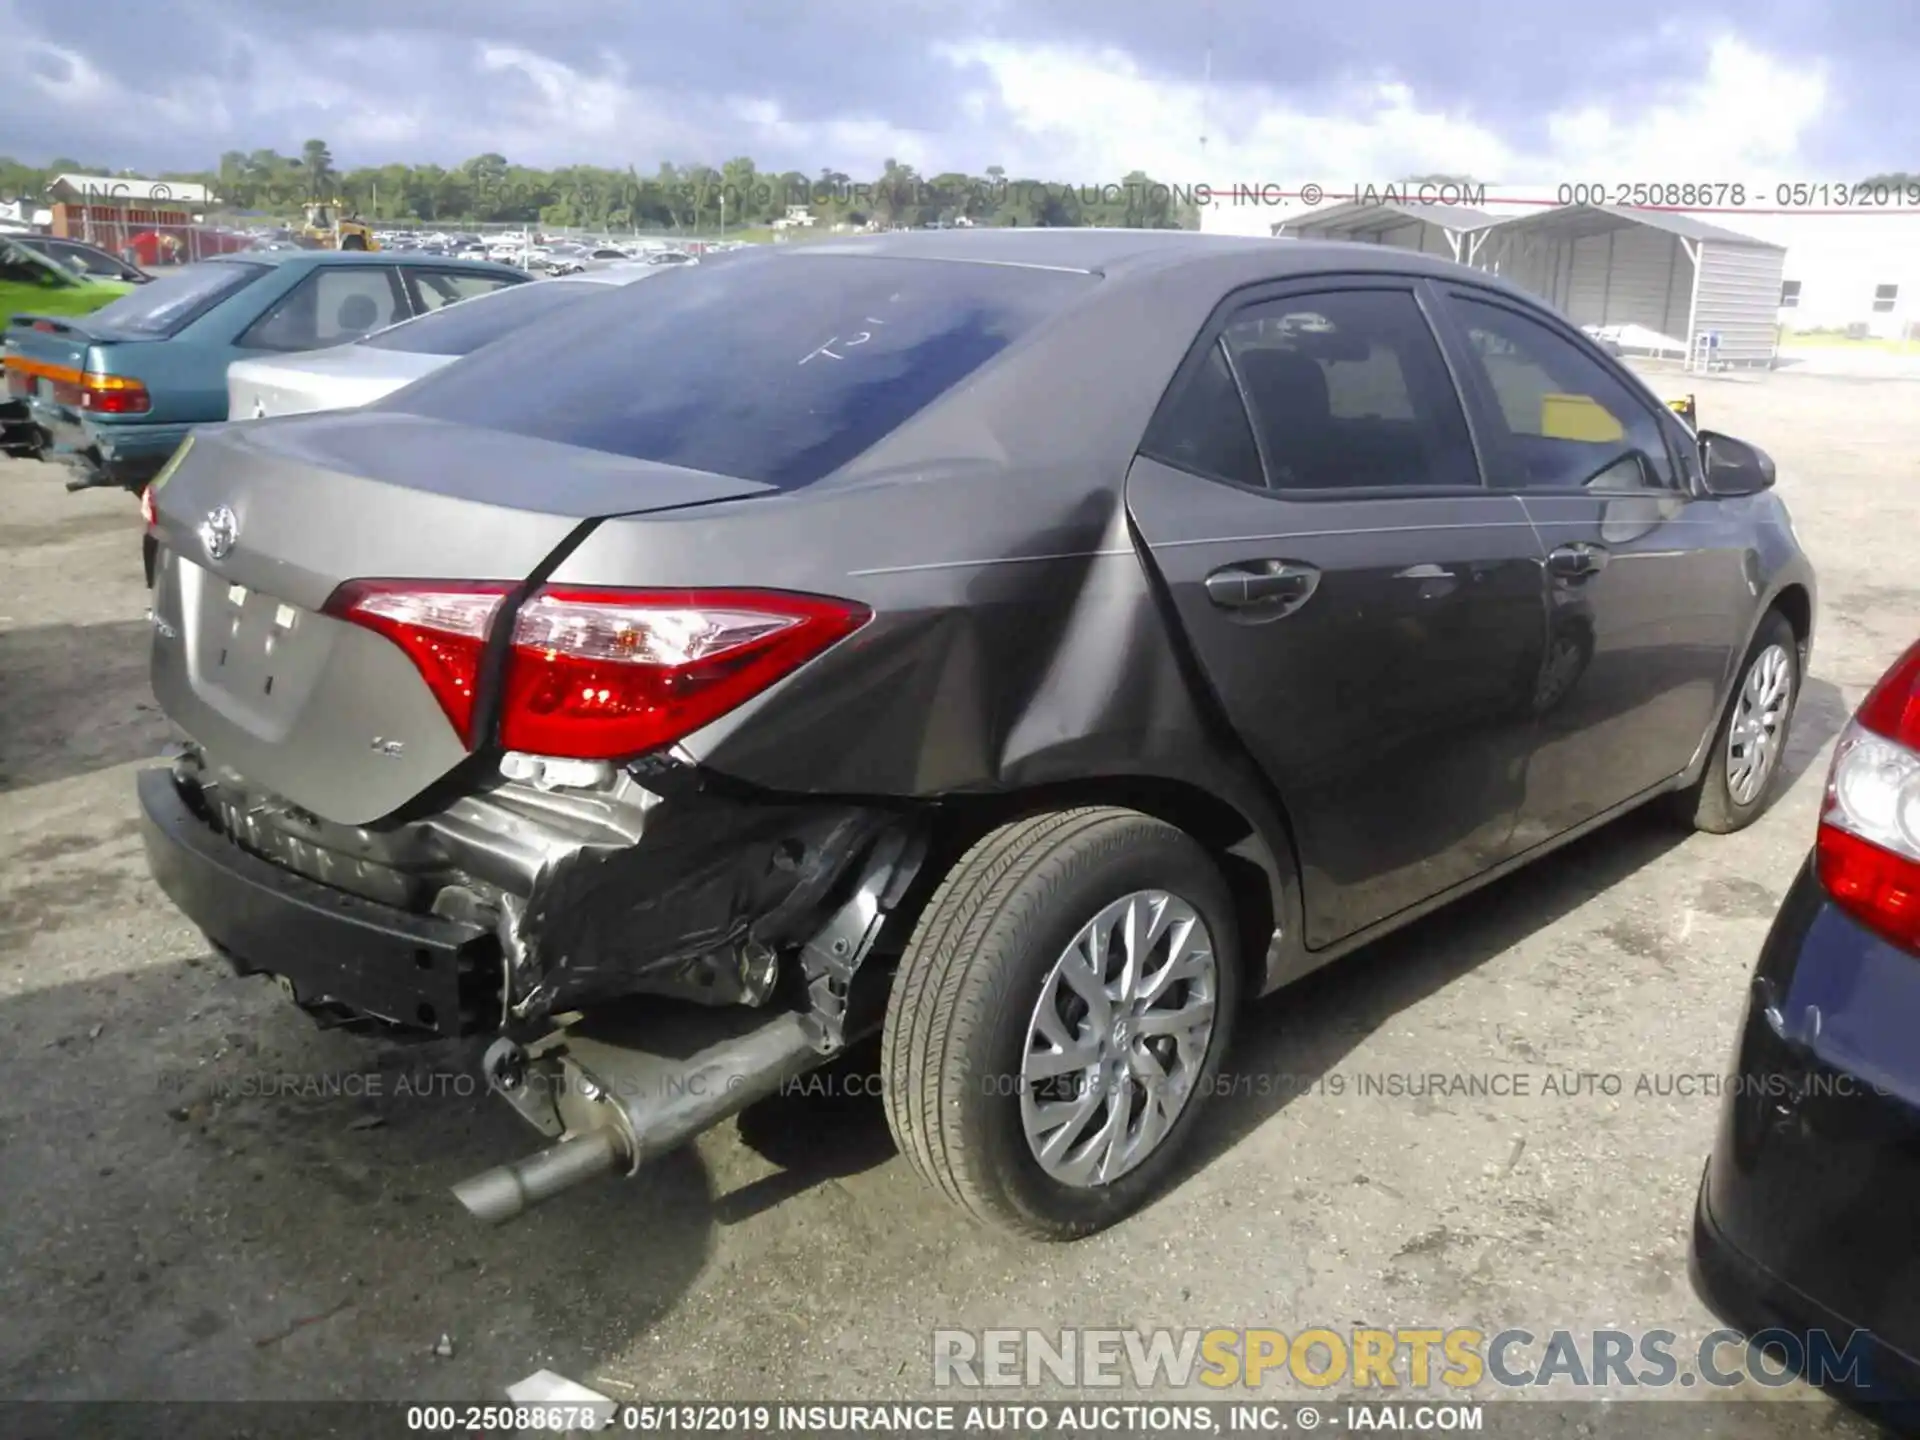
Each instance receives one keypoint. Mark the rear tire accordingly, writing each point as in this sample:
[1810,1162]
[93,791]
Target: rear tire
[1730,796]
[1006,930]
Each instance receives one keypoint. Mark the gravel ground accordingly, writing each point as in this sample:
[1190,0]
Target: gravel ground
[170,1235]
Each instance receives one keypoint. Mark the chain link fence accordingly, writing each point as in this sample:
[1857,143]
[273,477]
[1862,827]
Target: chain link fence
[148,238]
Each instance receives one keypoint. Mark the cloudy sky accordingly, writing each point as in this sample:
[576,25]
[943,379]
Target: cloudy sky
[1611,90]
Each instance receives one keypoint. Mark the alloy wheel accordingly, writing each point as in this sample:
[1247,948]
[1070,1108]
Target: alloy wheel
[1757,734]
[1118,1038]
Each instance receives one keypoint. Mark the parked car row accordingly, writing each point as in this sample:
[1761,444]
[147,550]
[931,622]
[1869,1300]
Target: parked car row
[112,393]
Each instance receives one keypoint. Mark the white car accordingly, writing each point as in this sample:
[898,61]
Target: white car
[358,374]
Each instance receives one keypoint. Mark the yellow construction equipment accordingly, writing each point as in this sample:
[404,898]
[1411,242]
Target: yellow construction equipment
[327,228]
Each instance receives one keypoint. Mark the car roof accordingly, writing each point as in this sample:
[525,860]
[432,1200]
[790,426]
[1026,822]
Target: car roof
[361,257]
[1117,252]
[37,239]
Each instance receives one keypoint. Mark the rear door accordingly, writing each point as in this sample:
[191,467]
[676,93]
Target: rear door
[1644,576]
[1370,619]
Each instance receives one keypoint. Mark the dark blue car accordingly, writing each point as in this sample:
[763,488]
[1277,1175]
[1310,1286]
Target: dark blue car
[1808,1224]
[113,393]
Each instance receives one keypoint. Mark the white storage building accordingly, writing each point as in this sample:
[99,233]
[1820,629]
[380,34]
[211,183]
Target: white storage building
[1732,291]
[1453,231]
[1665,279]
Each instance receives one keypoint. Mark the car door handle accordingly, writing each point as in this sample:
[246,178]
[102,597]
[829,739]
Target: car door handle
[1577,561]
[1280,585]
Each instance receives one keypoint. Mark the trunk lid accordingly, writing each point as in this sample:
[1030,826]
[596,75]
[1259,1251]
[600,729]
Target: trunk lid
[44,350]
[260,523]
[335,379]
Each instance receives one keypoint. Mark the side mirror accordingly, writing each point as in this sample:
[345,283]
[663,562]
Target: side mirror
[1734,467]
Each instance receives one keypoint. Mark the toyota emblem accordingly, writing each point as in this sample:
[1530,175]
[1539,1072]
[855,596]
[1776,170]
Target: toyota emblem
[218,532]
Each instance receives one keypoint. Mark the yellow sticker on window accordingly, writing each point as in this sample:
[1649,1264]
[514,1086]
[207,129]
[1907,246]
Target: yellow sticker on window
[1578,417]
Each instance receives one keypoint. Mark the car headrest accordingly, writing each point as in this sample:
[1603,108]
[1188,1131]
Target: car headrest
[1286,387]
[358,312]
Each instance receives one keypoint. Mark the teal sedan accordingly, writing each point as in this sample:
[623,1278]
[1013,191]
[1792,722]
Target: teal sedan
[113,393]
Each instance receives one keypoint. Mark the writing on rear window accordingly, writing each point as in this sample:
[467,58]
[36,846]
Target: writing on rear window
[836,348]
[778,368]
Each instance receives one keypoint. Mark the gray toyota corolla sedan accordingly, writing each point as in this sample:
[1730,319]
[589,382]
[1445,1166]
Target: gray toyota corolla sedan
[1028,646]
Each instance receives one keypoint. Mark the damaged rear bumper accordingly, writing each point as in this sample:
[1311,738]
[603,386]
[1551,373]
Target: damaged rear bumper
[526,900]
[333,950]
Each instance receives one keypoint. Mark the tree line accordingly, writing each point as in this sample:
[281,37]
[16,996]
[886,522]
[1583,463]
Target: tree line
[490,189]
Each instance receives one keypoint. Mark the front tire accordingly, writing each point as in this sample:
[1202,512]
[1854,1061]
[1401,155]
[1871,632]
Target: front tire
[1743,767]
[1058,1018]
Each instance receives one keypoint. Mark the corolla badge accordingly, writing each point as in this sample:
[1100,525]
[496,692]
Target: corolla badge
[218,532]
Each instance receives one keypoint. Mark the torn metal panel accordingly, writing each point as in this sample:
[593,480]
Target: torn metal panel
[595,891]
[687,909]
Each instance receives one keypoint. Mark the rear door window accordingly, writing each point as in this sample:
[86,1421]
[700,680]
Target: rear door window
[779,368]
[435,289]
[335,305]
[1203,426]
[1349,390]
[463,329]
[172,301]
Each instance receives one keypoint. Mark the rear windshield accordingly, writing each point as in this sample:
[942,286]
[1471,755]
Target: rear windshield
[166,303]
[466,325]
[778,368]
[26,265]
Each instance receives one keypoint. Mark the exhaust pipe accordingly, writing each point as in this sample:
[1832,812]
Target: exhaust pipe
[505,1191]
[622,1106]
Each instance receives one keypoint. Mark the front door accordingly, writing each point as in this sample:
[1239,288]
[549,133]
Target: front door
[1370,619]
[1642,573]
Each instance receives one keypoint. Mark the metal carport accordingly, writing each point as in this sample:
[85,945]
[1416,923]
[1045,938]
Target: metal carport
[1713,292]
[1452,231]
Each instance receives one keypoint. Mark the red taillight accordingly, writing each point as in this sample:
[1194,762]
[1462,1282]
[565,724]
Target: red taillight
[147,513]
[598,674]
[603,674]
[111,395]
[1869,844]
[442,627]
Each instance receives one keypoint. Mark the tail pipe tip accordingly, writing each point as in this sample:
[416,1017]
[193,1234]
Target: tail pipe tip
[498,1195]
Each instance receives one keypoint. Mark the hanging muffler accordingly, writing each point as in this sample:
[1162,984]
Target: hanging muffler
[617,1093]
[615,1101]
